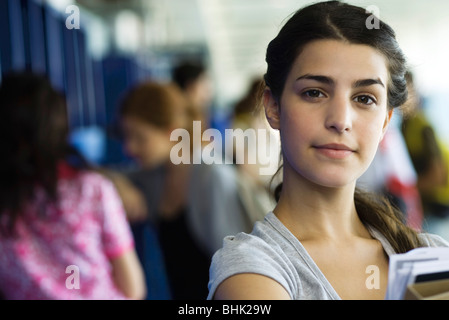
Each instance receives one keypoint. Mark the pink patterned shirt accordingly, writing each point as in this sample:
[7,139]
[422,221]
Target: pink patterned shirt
[67,254]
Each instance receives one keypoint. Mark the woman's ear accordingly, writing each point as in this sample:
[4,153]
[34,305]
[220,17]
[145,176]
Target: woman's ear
[272,109]
[386,123]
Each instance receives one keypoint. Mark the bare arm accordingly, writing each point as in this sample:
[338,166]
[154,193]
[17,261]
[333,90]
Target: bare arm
[249,286]
[128,275]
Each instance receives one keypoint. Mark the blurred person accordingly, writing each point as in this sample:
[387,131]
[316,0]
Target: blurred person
[144,233]
[254,187]
[56,214]
[193,79]
[430,157]
[331,94]
[245,116]
[192,207]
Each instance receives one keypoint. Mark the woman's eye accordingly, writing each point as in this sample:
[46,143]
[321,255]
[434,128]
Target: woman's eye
[313,94]
[366,100]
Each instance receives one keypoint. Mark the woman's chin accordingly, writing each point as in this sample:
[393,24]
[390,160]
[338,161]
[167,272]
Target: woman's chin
[331,180]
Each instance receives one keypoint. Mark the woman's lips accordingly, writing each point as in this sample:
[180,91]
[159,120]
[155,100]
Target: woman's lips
[334,151]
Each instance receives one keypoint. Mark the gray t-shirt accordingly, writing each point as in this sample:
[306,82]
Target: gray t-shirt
[273,251]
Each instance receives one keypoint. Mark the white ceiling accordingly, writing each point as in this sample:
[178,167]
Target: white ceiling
[237,32]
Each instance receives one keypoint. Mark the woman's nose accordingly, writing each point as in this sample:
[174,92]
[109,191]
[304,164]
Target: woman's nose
[339,115]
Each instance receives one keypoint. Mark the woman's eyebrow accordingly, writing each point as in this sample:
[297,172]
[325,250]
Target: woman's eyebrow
[323,79]
[329,81]
[367,82]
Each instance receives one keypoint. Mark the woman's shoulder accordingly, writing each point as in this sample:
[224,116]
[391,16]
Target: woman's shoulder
[264,238]
[93,182]
[66,172]
[240,243]
[433,240]
[248,243]
[85,184]
[259,252]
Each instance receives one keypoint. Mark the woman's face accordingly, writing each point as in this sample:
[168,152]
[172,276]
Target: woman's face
[333,111]
[147,144]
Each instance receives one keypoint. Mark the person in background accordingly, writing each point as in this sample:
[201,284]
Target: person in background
[331,93]
[191,206]
[430,157]
[193,79]
[254,187]
[63,230]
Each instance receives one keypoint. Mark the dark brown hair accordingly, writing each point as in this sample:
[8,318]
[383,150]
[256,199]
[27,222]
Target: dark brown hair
[187,72]
[344,22]
[33,139]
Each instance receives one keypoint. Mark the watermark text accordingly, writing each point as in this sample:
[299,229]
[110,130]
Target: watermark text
[244,147]
[73,20]
[73,280]
[373,22]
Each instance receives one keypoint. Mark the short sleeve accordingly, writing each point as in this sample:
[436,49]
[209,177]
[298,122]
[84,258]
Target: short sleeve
[116,233]
[245,253]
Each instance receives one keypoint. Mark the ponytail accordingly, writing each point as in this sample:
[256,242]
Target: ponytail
[378,212]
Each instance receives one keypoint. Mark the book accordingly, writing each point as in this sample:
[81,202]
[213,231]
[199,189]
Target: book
[422,265]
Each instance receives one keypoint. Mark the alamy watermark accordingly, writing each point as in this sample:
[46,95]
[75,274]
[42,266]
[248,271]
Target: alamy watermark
[373,280]
[73,280]
[373,22]
[256,146]
[73,20]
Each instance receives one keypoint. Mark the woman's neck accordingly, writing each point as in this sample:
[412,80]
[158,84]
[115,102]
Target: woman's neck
[313,212]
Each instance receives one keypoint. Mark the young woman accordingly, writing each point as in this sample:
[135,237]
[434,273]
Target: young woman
[63,230]
[331,87]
